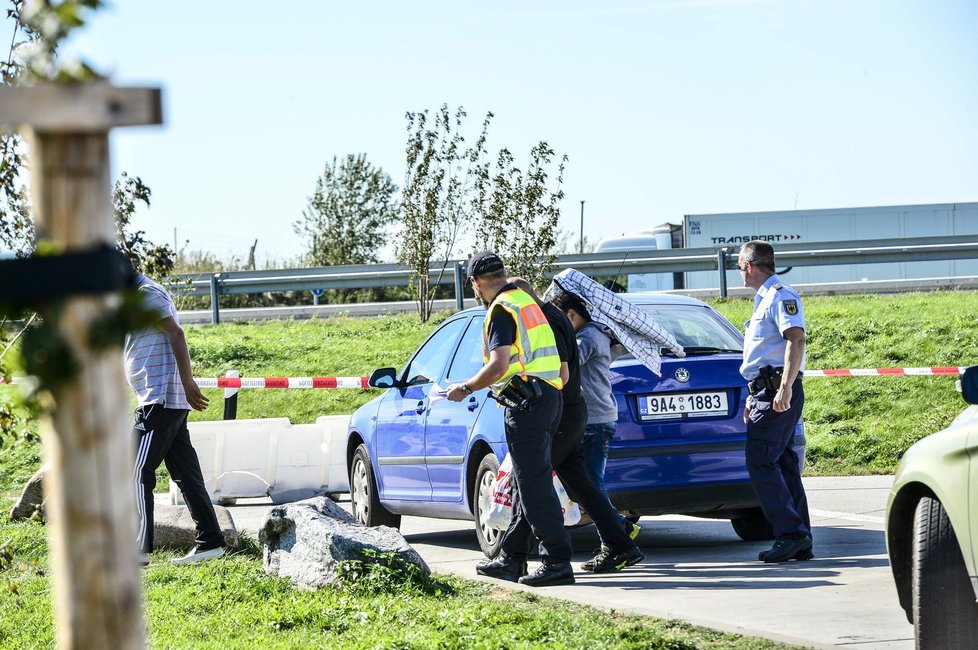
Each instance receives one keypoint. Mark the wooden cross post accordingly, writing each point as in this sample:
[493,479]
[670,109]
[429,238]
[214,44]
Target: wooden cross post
[89,490]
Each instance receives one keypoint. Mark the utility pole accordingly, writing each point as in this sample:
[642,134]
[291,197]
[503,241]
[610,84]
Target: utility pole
[582,229]
[91,504]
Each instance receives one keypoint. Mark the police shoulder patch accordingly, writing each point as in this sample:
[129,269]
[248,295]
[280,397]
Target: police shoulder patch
[790,307]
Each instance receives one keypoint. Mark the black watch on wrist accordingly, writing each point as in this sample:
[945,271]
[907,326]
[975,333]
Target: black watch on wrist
[466,389]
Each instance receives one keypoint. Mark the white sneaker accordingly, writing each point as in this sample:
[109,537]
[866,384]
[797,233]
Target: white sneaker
[198,555]
[144,559]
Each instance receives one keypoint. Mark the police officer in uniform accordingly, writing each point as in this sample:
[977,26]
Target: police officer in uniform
[521,360]
[774,359]
[567,458]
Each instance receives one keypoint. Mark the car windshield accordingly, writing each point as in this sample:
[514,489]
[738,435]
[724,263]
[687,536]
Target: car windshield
[699,330]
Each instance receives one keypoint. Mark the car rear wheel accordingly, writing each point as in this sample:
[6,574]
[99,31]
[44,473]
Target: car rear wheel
[945,614]
[753,527]
[489,538]
[367,508]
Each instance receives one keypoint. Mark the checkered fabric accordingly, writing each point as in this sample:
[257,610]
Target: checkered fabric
[641,334]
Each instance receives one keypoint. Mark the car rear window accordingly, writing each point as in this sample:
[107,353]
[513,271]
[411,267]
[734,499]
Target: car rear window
[696,327]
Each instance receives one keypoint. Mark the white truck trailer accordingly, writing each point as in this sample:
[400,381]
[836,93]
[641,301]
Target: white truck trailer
[835,225]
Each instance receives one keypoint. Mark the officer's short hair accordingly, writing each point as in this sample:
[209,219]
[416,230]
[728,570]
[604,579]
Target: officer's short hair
[493,276]
[565,301]
[759,253]
[524,285]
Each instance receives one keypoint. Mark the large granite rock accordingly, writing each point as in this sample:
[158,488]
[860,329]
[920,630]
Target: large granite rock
[32,498]
[306,542]
[174,528]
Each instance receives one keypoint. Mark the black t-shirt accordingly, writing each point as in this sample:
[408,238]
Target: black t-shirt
[567,349]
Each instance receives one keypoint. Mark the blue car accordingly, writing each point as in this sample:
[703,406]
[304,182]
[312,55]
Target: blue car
[679,447]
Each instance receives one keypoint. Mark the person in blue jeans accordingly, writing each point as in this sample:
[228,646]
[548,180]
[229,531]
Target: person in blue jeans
[595,354]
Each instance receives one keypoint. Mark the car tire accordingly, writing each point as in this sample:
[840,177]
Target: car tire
[945,614]
[490,539]
[753,527]
[364,500]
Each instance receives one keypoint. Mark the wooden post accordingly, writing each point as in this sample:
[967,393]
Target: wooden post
[90,493]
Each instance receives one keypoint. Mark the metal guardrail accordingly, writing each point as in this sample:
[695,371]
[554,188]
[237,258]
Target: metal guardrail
[676,260]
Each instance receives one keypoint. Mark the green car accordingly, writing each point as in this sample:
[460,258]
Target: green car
[932,530]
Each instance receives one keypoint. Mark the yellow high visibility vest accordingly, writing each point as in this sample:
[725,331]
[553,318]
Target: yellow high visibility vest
[534,353]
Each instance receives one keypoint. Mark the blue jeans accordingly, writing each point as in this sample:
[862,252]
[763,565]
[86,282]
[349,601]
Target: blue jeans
[597,439]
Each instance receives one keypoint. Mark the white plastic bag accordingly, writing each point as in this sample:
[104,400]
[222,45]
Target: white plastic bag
[572,511]
[501,503]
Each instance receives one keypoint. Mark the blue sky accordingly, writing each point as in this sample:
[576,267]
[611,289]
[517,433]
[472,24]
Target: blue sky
[664,107]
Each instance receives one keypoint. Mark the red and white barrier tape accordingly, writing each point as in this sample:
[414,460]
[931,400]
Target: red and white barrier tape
[284,382]
[361,382]
[886,372]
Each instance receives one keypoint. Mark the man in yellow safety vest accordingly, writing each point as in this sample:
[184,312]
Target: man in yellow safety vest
[523,367]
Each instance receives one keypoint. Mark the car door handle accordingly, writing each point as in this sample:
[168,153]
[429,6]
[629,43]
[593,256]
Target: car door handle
[420,409]
[473,404]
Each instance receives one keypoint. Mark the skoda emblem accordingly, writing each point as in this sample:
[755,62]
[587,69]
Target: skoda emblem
[682,375]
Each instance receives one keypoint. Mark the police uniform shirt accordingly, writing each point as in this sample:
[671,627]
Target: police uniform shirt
[777,307]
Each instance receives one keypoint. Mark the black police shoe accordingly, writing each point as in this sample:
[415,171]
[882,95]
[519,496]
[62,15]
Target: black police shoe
[607,562]
[546,575]
[788,549]
[502,568]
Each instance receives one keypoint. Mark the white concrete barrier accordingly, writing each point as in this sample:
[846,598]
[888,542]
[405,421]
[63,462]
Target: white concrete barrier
[270,457]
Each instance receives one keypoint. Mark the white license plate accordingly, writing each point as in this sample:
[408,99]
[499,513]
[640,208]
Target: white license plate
[682,405]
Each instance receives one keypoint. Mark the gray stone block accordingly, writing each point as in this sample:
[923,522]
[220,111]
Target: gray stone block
[32,498]
[308,540]
[173,527]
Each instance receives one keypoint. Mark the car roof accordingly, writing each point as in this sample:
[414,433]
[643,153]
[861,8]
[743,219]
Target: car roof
[639,298]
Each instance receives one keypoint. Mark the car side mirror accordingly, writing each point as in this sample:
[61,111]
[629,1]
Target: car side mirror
[969,385]
[383,378]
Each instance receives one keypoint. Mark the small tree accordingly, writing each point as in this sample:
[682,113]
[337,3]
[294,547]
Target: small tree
[438,182]
[517,213]
[16,226]
[348,215]
[149,258]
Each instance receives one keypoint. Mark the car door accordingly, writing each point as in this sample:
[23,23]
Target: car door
[449,424]
[972,496]
[401,417]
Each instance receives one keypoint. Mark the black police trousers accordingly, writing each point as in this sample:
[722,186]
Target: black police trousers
[774,465]
[529,434]
[567,458]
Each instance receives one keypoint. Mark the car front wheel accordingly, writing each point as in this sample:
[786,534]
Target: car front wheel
[945,614]
[489,538]
[367,508]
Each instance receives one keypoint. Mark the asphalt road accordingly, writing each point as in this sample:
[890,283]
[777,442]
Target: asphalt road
[699,571]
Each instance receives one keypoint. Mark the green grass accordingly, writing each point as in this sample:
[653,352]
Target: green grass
[858,425]
[862,425]
[335,347]
[855,426]
[233,604]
